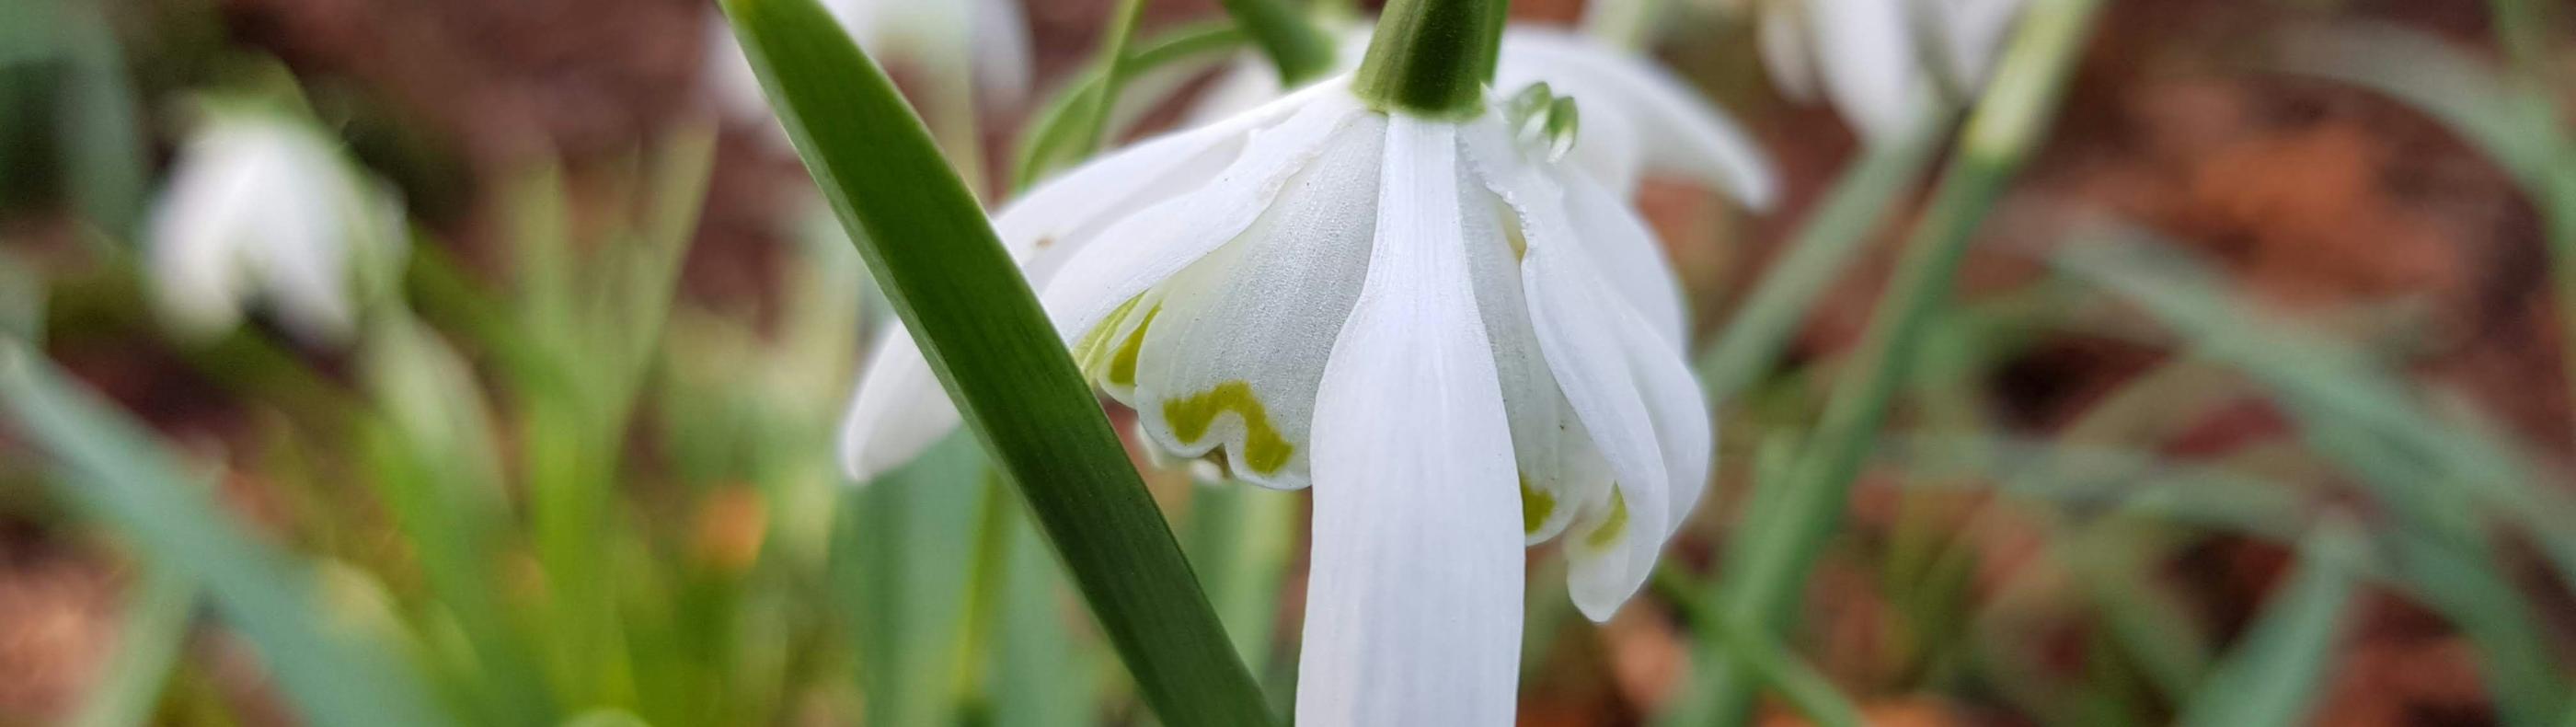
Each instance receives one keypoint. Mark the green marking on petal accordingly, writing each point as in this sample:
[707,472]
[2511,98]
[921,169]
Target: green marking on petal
[1087,349]
[1613,527]
[1122,367]
[1535,507]
[1264,451]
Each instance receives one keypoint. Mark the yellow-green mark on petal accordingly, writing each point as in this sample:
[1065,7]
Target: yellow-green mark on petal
[1122,366]
[1264,451]
[1535,507]
[1613,526]
[1087,350]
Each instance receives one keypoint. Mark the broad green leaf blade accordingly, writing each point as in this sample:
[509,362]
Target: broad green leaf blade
[931,250]
[2273,678]
[332,669]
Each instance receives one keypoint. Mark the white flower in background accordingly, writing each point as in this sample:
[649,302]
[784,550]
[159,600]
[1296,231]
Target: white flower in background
[1882,62]
[262,205]
[1465,346]
[1638,119]
[985,42]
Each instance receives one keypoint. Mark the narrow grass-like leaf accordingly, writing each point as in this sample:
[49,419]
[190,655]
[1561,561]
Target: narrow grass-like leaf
[1768,563]
[1051,133]
[975,318]
[2273,677]
[905,549]
[323,664]
[1806,689]
[148,639]
[2441,482]
[1833,236]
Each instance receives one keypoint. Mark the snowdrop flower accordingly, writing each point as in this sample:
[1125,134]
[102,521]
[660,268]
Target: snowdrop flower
[263,205]
[1638,118]
[984,42]
[1881,62]
[1392,291]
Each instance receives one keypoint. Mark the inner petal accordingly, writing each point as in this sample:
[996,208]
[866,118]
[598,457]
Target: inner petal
[1236,346]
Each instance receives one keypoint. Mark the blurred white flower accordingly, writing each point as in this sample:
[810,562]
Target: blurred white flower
[1881,62]
[1468,348]
[263,205]
[1638,119]
[982,41]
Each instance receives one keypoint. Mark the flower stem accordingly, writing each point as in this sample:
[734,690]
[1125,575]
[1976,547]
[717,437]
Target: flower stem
[1301,51]
[1432,57]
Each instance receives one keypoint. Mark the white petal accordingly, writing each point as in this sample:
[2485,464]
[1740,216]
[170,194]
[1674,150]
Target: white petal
[899,410]
[1628,253]
[198,274]
[1973,31]
[1868,57]
[1413,611]
[1557,467]
[1000,37]
[1676,129]
[1239,339]
[1151,245]
[1579,320]
[1782,40]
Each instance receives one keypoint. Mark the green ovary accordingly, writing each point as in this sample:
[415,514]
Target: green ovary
[1535,507]
[1264,451]
[1617,523]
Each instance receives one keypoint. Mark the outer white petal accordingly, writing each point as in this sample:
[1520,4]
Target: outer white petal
[1629,254]
[310,229]
[1000,36]
[1675,127]
[1238,340]
[1782,40]
[1972,32]
[198,274]
[899,408]
[1413,610]
[1683,431]
[1558,470]
[1148,247]
[1868,56]
[1579,320]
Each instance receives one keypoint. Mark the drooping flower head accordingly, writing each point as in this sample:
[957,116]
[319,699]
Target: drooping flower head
[1882,62]
[262,205]
[1388,287]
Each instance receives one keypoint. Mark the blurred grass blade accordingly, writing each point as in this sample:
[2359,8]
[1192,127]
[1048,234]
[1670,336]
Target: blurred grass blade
[1242,539]
[933,253]
[1045,142]
[903,554]
[2432,475]
[1807,690]
[1766,568]
[1833,235]
[1035,683]
[323,663]
[2274,677]
[148,639]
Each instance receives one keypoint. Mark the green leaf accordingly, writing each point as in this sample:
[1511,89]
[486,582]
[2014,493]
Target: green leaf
[1769,558]
[1825,246]
[2274,676]
[1048,141]
[903,555]
[333,669]
[948,277]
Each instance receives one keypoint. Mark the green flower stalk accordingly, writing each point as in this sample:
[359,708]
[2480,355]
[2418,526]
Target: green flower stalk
[1432,57]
